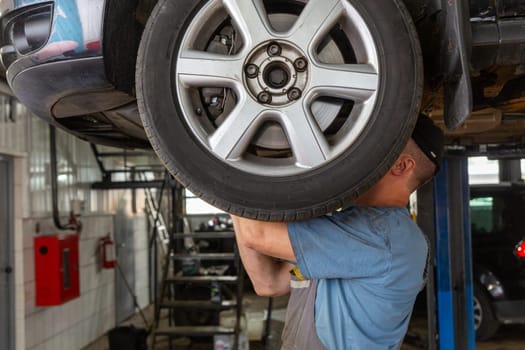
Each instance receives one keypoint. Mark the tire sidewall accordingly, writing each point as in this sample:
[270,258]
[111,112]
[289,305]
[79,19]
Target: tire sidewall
[316,192]
[489,325]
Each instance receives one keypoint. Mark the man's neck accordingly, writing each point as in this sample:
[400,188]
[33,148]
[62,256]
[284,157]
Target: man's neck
[384,195]
[381,202]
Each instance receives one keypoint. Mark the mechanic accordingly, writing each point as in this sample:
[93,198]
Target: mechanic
[354,274]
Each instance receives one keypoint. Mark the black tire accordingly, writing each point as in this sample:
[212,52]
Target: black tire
[282,198]
[486,324]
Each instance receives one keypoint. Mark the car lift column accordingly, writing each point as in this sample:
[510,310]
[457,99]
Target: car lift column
[509,170]
[449,290]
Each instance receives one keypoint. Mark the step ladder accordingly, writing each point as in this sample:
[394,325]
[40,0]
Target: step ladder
[156,220]
[185,267]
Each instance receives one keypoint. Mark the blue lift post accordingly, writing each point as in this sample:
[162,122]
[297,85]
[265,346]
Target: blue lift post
[425,220]
[453,255]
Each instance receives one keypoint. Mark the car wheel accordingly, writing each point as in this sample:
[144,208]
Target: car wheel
[485,323]
[279,110]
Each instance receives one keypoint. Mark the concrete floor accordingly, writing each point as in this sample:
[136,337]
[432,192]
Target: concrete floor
[510,337]
[251,303]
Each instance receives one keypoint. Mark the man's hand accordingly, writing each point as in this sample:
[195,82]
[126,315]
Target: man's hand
[260,244]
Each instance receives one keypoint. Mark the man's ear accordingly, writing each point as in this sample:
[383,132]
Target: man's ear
[404,164]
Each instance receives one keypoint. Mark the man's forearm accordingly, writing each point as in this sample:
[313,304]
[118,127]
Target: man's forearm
[270,277]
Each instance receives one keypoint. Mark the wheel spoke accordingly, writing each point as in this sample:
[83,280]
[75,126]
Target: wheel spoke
[308,143]
[200,68]
[233,136]
[316,19]
[247,137]
[251,19]
[357,82]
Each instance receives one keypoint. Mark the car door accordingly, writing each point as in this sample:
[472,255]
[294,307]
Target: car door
[497,220]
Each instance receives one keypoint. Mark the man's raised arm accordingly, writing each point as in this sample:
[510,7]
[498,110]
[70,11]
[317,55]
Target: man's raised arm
[264,248]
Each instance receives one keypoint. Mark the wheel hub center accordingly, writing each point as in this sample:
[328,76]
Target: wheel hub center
[276,73]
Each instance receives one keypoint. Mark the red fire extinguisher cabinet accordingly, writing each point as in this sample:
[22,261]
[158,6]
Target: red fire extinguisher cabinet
[56,269]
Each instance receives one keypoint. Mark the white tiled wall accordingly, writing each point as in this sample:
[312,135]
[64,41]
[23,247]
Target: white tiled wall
[82,320]
[140,227]
[19,179]
[14,122]
[79,322]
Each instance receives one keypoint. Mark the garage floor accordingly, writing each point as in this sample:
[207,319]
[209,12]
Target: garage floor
[510,337]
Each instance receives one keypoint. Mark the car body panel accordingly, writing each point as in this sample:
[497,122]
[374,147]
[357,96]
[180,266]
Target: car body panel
[455,44]
[498,225]
[510,8]
[66,76]
[490,9]
[75,31]
[510,311]
[480,72]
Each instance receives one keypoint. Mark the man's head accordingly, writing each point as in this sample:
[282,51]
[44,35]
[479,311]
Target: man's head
[415,166]
[430,139]
[426,148]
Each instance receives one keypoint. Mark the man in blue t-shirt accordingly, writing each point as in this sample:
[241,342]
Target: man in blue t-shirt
[353,275]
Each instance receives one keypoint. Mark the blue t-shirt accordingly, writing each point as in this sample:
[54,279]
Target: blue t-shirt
[370,264]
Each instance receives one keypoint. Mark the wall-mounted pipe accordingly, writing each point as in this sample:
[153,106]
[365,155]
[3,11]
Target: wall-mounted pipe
[73,225]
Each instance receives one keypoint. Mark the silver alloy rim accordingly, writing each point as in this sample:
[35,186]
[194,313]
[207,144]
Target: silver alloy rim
[276,96]
[478,313]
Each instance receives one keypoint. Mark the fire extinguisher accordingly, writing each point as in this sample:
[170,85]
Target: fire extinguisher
[107,252]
